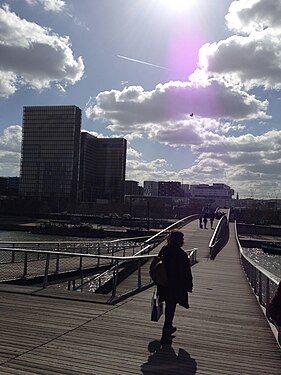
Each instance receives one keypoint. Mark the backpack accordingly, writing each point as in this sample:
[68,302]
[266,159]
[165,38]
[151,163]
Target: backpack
[157,272]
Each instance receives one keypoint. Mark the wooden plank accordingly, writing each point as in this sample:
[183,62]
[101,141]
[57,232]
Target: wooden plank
[224,331]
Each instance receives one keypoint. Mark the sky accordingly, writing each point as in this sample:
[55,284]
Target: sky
[193,85]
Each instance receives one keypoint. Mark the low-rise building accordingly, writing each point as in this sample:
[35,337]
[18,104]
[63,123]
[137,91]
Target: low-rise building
[216,195]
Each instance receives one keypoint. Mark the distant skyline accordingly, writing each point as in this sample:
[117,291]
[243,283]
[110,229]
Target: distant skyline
[138,69]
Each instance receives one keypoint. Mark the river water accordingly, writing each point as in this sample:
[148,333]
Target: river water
[18,236]
[271,263]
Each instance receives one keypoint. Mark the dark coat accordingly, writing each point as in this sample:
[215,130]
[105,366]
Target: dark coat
[179,276]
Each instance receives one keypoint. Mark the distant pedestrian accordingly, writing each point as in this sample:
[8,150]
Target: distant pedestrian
[201,222]
[212,220]
[179,281]
[205,220]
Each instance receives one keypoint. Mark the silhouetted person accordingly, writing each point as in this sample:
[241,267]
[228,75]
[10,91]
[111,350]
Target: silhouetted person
[179,281]
[205,220]
[200,222]
[212,220]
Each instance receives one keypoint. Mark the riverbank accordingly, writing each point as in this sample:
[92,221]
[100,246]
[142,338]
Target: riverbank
[64,228]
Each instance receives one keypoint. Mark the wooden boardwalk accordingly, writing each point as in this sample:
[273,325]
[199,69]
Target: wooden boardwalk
[223,332]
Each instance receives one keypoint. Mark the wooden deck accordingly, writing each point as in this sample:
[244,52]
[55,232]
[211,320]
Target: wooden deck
[223,332]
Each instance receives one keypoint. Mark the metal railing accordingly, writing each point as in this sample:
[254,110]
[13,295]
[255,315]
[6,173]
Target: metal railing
[263,282]
[124,267]
[114,272]
[78,259]
[51,264]
[219,237]
[87,247]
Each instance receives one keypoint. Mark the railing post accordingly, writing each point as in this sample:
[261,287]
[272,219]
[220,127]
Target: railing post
[139,274]
[260,289]
[38,254]
[255,280]
[267,296]
[25,265]
[115,276]
[81,263]
[46,270]
[13,255]
[58,260]
[98,263]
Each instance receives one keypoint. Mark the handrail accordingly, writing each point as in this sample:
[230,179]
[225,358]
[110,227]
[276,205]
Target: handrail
[192,255]
[117,262]
[180,223]
[176,224]
[263,282]
[215,242]
[56,256]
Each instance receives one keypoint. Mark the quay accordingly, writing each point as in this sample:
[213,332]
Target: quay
[224,331]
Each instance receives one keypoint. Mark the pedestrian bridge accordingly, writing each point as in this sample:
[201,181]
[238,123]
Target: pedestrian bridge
[51,331]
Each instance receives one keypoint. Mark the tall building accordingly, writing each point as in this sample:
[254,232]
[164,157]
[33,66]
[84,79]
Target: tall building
[131,187]
[88,168]
[150,188]
[50,152]
[102,168]
[169,189]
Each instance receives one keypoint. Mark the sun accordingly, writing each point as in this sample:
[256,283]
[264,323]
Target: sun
[179,5]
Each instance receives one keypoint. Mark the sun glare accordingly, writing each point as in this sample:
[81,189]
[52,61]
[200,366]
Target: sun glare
[178,5]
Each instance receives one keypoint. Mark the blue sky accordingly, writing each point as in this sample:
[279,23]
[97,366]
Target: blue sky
[139,68]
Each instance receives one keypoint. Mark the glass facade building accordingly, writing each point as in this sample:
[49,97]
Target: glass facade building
[102,168]
[50,152]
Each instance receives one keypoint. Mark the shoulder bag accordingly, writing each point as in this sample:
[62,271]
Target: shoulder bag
[158,272]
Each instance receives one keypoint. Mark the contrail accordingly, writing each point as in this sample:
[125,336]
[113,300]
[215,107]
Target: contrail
[142,62]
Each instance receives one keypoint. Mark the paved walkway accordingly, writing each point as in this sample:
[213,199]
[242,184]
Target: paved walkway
[224,331]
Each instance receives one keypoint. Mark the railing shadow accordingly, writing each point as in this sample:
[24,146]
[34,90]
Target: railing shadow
[220,238]
[164,360]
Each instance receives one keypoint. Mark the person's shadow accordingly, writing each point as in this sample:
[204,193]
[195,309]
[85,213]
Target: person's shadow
[163,361]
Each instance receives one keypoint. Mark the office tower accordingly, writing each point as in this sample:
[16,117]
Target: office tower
[169,189]
[131,187]
[88,167]
[102,168]
[150,188]
[50,152]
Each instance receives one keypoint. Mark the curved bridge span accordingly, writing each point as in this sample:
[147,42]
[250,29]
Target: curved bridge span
[224,331]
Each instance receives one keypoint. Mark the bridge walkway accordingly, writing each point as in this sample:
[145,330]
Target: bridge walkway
[224,331]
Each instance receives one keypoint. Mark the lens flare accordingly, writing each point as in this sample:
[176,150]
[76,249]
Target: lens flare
[178,5]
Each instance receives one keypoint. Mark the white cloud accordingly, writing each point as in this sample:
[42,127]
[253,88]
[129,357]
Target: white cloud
[246,163]
[132,153]
[134,107]
[9,163]
[8,82]
[156,170]
[10,146]
[49,5]
[34,56]
[247,16]
[252,59]
[11,138]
